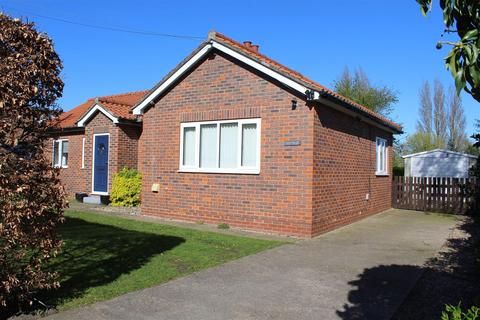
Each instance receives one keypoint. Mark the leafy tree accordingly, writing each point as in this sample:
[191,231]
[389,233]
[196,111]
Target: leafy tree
[31,198]
[421,141]
[425,123]
[463,18]
[457,140]
[475,169]
[439,114]
[441,124]
[358,88]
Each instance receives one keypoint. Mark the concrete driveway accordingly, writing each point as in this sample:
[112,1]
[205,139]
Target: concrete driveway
[362,271]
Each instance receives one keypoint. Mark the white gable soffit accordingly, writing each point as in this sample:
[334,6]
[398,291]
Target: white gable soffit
[96,108]
[439,150]
[139,109]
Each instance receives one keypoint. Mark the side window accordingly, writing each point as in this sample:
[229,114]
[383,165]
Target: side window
[381,156]
[60,153]
[56,152]
[64,153]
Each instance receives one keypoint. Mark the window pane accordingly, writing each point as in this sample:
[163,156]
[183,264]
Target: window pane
[381,155]
[189,146]
[208,146]
[382,159]
[228,145]
[64,153]
[379,160]
[384,155]
[56,146]
[249,145]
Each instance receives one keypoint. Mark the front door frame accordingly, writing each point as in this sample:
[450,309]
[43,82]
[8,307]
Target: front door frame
[93,164]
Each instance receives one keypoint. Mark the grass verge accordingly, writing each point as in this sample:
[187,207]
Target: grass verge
[105,256]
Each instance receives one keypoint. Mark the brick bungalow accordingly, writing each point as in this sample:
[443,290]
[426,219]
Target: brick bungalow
[105,122]
[232,136]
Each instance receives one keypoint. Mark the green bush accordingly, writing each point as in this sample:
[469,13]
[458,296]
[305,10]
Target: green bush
[223,226]
[126,188]
[398,171]
[456,313]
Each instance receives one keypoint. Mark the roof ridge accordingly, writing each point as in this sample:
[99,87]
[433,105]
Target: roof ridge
[257,53]
[102,99]
[121,94]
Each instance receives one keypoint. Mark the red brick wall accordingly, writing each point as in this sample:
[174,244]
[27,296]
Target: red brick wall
[123,144]
[123,152]
[277,200]
[127,150]
[301,190]
[73,178]
[344,170]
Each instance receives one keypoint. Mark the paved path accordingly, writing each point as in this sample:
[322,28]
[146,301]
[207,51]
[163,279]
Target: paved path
[362,271]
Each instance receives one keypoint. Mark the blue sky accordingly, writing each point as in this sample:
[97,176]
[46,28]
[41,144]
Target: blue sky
[390,40]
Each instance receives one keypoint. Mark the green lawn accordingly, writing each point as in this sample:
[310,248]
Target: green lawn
[105,256]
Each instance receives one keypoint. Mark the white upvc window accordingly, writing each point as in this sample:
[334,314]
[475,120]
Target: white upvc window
[60,153]
[83,153]
[381,157]
[230,146]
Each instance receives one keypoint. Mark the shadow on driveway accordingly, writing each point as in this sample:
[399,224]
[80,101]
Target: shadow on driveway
[450,277]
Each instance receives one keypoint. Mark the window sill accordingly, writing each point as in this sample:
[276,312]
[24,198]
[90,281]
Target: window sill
[381,174]
[222,171]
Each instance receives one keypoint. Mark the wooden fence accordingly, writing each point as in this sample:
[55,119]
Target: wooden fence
[448,195]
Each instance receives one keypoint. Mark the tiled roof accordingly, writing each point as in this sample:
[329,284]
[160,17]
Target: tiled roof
[69,118]
[118,105]
[249,51]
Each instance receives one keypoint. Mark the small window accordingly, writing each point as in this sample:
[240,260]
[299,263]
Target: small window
[83,153]
[56,152]
[60,153]
[221,146]
[381,156]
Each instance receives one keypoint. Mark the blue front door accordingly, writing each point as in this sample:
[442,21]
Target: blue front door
[100,164]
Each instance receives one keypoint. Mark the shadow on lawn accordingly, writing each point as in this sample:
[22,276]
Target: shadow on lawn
[449,278]
[96,254]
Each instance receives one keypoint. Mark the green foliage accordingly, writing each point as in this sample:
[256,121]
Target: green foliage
[456,313]
[423,141]
[358,88]
[223,226]
[398,151]
[471,149]
[475,169]
[463,60]
[398,171]
[126,188]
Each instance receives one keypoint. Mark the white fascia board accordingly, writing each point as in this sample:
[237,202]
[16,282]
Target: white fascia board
[96,108]
[248,61]
[264,69]
[139,109]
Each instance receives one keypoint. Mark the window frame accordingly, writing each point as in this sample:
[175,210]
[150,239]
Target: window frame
[382,143]
[60,153]
[237,170]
